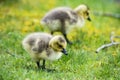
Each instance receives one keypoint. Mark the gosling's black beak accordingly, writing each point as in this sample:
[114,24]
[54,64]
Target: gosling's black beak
[89,19]
[64,51]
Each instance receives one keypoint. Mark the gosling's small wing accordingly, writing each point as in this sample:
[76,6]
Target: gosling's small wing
[41,42]
[36,42]
[42,45]
[57,13]
[62,13]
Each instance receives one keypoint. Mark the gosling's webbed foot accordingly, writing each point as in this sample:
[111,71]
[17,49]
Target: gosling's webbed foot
[50,70]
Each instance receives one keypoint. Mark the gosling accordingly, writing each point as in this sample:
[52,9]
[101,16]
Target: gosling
[62,19]
[43,46]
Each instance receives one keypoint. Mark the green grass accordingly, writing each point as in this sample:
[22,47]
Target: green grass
[20,17]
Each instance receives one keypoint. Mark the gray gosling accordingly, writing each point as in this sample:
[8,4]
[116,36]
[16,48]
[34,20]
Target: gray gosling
[62,19]
[43,46]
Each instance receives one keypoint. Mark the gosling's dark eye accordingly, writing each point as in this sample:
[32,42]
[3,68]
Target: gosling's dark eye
[59,45]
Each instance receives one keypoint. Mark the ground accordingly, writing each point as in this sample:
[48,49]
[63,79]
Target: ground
[20,17]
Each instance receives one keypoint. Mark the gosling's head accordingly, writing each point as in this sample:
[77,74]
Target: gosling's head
[58,43]
[83,10]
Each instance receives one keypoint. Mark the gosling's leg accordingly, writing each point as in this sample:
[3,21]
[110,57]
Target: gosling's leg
[38,64]
[63,30]
[68,41]
[43,66]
